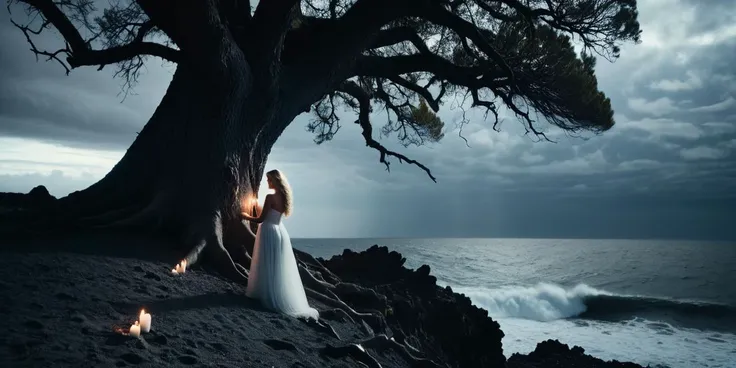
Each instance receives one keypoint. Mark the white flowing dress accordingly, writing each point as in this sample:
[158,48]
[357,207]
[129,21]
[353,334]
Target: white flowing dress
[274,277]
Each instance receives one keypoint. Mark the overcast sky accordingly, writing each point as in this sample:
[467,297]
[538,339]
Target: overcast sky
[666,170]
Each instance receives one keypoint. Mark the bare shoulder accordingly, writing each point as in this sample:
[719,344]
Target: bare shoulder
[275,201]
[273,198]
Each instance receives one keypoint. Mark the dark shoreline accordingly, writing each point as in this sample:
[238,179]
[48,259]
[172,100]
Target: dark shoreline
[62,299]
[42,286]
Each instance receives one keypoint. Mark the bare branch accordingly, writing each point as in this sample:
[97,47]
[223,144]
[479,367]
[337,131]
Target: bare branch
[78,50]
[422,91]
[327,123]
[438,15]
[27,31]
[396,35]
[364,105]
[387,67]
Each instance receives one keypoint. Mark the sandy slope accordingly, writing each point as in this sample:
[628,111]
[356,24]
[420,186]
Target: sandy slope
[62,307]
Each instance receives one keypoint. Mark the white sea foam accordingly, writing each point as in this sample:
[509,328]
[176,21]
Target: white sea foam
[528,315]
[640,341]
[543,302]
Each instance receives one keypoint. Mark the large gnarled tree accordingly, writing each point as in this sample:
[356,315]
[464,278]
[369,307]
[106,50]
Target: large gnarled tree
[245,71]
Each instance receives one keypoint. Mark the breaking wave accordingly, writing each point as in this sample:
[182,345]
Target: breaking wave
[547,302]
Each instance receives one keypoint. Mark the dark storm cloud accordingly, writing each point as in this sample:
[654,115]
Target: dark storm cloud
[84,109]
[665,170]
[711,15]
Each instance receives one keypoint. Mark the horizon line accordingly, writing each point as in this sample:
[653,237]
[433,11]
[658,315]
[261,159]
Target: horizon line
[511,237]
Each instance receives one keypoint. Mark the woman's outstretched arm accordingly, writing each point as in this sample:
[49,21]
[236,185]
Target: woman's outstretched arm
[264,211]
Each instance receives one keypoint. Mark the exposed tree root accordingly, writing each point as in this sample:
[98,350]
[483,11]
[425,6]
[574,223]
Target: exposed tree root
[327,293]
[336,314]
[400,337]
[219,257]
[355,351]
[318,268]
[382,342]
[239,240]
[193,256]
[322,327]
[242,269]
[311,281]
[374,320]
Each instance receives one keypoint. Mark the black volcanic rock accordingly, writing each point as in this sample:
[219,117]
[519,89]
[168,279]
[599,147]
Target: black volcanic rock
[435,320]
[554,354]
[37,197]
[442,324]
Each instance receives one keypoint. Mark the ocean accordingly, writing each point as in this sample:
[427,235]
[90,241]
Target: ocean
[654,302]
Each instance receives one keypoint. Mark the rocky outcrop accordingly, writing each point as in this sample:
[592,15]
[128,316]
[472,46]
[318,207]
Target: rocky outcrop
[37,197]
[552,353]
[445,326]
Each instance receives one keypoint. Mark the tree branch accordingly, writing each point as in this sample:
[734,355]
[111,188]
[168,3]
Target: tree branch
[272,20]
[469,76]
[328,46]
[396,35]
[27,31]
[78,50]
[364,106]
[511,53]
[441,16]
[121,53]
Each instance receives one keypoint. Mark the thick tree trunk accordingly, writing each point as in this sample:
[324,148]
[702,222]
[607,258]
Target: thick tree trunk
[201,155]
[199,160]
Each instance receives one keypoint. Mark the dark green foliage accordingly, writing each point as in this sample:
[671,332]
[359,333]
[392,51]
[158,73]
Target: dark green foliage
[429,124]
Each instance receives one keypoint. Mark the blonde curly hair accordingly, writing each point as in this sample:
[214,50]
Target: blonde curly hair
[281,185]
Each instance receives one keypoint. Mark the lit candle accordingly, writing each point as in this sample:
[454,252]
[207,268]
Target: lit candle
[145,319]
[181,267]
[135,330]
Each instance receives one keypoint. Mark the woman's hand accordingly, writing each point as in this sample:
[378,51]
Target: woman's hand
[260,213]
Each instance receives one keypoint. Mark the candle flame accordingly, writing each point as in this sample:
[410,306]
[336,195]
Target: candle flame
[143,311]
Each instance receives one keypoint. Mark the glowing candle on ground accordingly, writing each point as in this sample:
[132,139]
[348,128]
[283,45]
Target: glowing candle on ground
[135,330]
[145,319]
[181,267]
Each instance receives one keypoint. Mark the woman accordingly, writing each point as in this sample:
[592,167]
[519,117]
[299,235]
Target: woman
[274,276]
